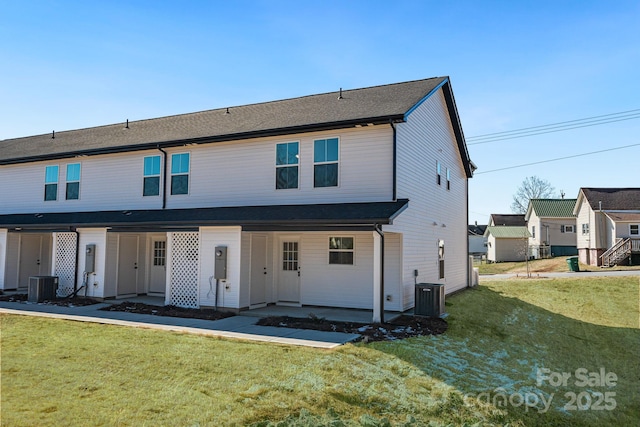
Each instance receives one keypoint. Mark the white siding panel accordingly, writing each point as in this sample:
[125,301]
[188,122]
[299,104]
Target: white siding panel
[221,174]
[96,281]
[12,265]
[245,269]
[111,266]
[3,255]
[229,290]
[434,212]
[393,272]
[336,285]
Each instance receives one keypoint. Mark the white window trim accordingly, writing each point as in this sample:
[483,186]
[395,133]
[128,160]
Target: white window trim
[329,250]
[438,172]
[339,162]
[299,165]
[57,183]
[66,181]
[159,175]
[188,174]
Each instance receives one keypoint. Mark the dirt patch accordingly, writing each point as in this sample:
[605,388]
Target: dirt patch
[399,328]
[62,302]
[169,311]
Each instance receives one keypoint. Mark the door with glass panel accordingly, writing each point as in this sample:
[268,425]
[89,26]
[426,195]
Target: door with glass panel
[158,273]
[289,274]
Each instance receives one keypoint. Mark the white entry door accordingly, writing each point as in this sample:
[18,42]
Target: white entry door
[128,265]
[258,270]
[30,258]
[158,273]
[289,274]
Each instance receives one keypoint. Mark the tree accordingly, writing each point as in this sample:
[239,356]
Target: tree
[531,188]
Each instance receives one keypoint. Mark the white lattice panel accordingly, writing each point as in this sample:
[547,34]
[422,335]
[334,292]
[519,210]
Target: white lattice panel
[184,269]
[65,267]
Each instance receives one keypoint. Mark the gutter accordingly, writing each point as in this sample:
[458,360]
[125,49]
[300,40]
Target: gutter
[378,229]
[164,177]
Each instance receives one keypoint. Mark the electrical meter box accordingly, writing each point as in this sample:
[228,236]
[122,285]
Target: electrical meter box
[90,259]
[220,265]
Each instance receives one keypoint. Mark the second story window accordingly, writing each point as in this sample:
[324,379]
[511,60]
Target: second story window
[51,183]
[73,181]
[180,173]
[438,172]
[448,179]
[151,183]
[287,159]
[325,162]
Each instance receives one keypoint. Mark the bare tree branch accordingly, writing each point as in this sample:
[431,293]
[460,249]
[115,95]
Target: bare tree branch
[531,188]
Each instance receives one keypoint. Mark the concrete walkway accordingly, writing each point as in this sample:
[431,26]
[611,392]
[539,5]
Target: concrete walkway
[237,327]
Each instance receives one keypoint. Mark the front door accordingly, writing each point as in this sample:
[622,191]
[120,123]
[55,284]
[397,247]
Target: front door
[158,273]
[128,265]
[30,258]
[258,270]
[289,277]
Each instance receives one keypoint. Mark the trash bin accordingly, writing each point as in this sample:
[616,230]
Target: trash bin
[572,262]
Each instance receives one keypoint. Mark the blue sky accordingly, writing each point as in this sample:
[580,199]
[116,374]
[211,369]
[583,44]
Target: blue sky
[513,64]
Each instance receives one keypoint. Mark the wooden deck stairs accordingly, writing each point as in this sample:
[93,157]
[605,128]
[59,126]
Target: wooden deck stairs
[620,252]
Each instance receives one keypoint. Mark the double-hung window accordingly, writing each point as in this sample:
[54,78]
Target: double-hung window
[180,173]
[51,183]
[151,182]
[585,228]
[438,172]
[287,160]
[441,259]
[567,229]
[341,250]
[634,229]
[325,162]
[73,181]
[448,179]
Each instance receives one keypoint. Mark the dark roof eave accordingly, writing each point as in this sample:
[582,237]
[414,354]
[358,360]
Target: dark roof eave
[395,118]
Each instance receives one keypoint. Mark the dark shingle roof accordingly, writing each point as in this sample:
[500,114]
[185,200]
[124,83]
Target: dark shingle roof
[508,219]
[476,230]
[553,208]
[616,199]
[378,104]
[336,214]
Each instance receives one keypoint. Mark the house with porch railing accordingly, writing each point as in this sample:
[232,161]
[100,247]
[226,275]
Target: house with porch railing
[608,226]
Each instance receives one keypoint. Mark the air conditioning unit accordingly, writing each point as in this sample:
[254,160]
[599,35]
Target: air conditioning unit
[429,300]
[42,288]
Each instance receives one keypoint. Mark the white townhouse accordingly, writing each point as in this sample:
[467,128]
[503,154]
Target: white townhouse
[343,199]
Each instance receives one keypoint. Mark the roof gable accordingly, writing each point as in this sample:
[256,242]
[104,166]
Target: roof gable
[508,232]
[611,199]
[507,220]
[551,208]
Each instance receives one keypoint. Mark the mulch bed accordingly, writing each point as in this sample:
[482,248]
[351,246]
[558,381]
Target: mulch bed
[169,310]
[62,302]
[399,328]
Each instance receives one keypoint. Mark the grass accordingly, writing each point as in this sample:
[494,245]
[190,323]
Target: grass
[558,264]
[58,372]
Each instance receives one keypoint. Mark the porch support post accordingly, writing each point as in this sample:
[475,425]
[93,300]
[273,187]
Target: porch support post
[378,275]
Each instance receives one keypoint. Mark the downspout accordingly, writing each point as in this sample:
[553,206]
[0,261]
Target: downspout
[395,162]
[164,177]
[378,229]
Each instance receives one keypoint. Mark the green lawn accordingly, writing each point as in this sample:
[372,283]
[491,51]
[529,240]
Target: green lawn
[58,372]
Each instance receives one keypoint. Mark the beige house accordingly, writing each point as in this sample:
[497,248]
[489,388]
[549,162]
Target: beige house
[507,243]
[552,225]
[608,226]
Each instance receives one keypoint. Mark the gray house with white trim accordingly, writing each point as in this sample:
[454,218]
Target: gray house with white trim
[342,199]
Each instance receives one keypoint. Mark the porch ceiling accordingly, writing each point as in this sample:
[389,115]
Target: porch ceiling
[273,216]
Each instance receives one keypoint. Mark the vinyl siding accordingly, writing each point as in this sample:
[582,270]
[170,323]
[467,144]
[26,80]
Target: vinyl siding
[509,250]
[98,237]
[111,265]
[434,212]
[13,261]
[210,237]
[222,174]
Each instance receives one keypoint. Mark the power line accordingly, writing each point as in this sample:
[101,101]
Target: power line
[558,158]
[554,127]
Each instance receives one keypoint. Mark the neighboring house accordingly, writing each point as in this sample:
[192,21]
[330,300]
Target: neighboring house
[507,243]
[508,220]
[477,241]
[343,199]
[552,226]
[608,225]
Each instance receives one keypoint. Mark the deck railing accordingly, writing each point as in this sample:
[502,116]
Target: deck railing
[616,253]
